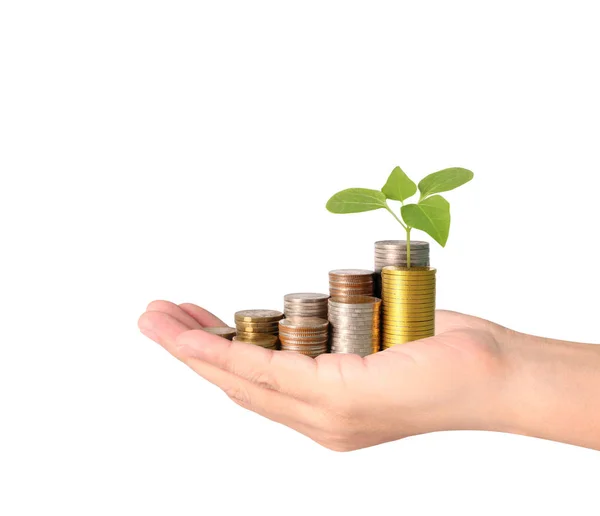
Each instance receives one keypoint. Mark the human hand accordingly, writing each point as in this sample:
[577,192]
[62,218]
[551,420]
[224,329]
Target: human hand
[344,402]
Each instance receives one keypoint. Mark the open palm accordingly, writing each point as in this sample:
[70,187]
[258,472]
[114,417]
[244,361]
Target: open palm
[346,402]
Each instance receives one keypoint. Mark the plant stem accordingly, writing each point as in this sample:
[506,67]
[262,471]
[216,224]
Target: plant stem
[396,217]
[408,247]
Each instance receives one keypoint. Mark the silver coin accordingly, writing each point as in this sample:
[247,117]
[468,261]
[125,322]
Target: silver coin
[387,254]
[355,341]
[353,324]
[337,329]
[336,312]
[223,331]
[351,272]
[354,307]
[401,244]
[306,297]
[306,309]
[344,346]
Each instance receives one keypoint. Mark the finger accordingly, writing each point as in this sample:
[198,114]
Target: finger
[202,316]
[174,311]
[268,403]
[288,373]
[164,329]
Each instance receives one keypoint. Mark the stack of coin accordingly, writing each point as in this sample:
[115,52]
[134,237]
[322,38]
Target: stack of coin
[306,335]
[350,282]
[306,305]
[408,304]
[222,331]
[354,324]
[258,326]
[393,252]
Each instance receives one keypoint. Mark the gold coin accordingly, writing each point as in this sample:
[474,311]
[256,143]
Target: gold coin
[392,326]
[420,319]
[407,298]
[408,285]
[397,270]
[267,340]
[407,279]
[416,303]
[254,336]
[414,335]
[409,308]
[394,323]
[244,328]
[408,335]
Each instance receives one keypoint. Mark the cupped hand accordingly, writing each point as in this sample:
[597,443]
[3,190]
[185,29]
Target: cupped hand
[344,402]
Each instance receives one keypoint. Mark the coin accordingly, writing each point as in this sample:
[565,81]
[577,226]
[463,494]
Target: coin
[251,328]
[414,244]
[258,316]
[267,341]
[408,332]
[222,331]
[254,336]
[306,335]
[355,324]
[306,297]
[351,273]
[303,323]
[408,295]
[413,325]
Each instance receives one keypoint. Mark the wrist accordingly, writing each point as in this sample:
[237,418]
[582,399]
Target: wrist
[551,389]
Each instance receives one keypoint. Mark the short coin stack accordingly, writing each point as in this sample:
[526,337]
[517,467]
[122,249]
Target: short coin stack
[305,335]
[258,327]
[222,331]
[350,282]
[408,304]
[306,304]
[393,252]
[355,322]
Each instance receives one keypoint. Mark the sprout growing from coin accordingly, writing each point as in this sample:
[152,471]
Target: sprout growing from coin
[430,214]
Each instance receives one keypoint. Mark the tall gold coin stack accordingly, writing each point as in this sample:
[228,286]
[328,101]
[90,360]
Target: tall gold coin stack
[408,304]
[222,331]
[306,304]
[355,322]
[305,335]
[260,327]
[350,282]
[393,252]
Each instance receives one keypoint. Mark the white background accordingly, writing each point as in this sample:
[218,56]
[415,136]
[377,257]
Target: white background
[185,151]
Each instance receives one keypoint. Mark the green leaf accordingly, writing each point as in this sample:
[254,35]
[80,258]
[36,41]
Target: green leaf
[356,200]
[431,215]
[444,181]
[399,186]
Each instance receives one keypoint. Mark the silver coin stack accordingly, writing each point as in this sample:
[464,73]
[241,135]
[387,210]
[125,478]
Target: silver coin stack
[306,304]
[355,324]
[393,252]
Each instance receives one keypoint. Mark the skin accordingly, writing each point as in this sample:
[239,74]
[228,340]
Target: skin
[473,375]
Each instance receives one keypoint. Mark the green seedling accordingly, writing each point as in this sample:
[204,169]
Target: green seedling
[430,214]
